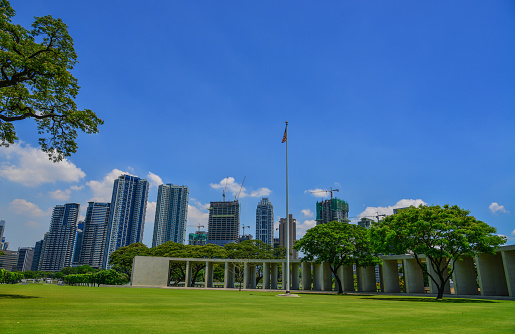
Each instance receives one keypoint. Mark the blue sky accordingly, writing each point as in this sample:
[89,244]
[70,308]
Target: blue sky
[392,102]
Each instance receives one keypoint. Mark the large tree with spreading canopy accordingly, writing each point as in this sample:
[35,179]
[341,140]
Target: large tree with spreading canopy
[36,83]
[442,234]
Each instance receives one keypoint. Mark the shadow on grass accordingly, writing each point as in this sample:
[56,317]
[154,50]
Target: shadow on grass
[433,300]
[6,296]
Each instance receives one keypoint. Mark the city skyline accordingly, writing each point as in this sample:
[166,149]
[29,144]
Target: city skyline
[419,97]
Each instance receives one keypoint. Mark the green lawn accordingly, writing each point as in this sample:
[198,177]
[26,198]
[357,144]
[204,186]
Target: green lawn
[67,309]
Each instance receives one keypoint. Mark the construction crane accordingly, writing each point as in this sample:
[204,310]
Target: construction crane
[238,196]
[243,227]
[199,226]
[326,191]
[226,179]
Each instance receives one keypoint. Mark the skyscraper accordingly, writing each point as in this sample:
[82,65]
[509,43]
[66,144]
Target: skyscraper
[265,221]
[25,257]
[292,234]
[332,210]
[224,222]
[94,235]
[4,245]
[37,255]
[60,242]
[171,214]
[127,214]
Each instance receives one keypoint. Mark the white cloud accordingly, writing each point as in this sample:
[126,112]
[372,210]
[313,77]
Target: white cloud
[151,212]
[304,226]
[234,187]
[307,213]
[62,195]
[154,180]
[197,216]
[513,233]
[496,208]
[372,212]
[77,188]
[23,207]
[103,190]
[317,192]
[31,167]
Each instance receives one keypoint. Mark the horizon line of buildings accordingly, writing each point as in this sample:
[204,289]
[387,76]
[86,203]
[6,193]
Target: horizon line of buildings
[109,226]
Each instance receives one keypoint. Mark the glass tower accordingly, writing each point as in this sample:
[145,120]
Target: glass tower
[265,221]
[127,214]
[171,214]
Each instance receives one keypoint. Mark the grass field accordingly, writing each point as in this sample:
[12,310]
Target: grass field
[66,309]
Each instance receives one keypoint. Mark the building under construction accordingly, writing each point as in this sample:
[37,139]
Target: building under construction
[332,210]
[224,223]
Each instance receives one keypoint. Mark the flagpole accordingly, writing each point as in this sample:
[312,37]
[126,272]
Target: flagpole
[287,273]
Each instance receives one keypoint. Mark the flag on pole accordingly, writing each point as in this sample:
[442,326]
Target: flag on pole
[285,137]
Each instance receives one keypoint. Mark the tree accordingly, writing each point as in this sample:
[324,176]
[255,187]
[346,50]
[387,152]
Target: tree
[442,234]
[338,244]
[36,82]
[121,259]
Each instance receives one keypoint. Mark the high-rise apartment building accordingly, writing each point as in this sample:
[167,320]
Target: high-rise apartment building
[94,235]
[4,245]
[265,221]
[60,242]
[127,214]
[292,234]
[224,223]
[37,255]
[9,261]
[171,214]
[332,210]
[25,257]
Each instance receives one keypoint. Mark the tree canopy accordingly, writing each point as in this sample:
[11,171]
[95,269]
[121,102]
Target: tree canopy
[442,234]
[338,244]
[36,82]
[121,259]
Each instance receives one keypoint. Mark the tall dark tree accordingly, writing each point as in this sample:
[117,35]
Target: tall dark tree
[338,244]
[36,83]
[442,234]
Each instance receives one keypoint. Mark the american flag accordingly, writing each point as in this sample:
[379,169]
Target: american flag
[285,137]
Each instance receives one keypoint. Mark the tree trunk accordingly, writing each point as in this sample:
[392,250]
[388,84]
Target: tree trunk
[441,289]
[338,280]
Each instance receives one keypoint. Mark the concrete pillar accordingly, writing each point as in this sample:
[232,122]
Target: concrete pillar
[368,279]
[266,275]
[432,285]
[295,276]
[187,280]
[348,278]
[508,259]
[306,275]
[317,276]
[413,276]
[247,276]
[150,271]
[208,275]
[391,276]
[327,280]
[491,275]
[252,276]
[359,279]
[275,272]
[464,277]
[229,275]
